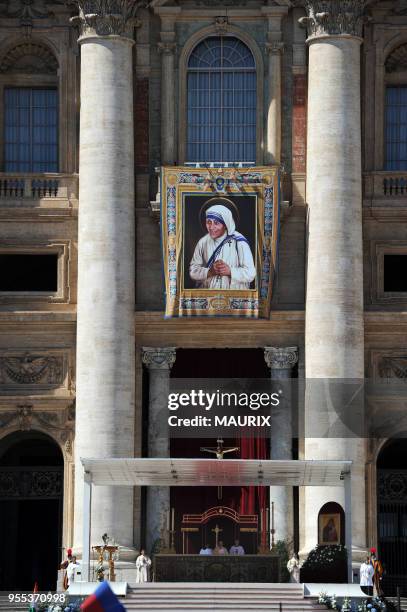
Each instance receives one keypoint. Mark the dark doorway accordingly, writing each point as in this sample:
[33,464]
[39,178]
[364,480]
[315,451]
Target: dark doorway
[218,364]
[31,490]
[392,514]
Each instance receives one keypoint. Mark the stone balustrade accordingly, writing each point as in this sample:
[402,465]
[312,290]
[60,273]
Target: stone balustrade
[385,184]
[49,188]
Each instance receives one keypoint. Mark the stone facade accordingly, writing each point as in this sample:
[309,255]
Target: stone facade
[134,67]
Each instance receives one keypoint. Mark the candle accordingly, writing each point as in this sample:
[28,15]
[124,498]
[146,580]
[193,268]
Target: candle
[168,520]
[261,520]
[172,519]
[267,519]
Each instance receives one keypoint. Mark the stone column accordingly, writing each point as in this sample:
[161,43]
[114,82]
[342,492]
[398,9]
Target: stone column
[273,151]
[159,362]
[168,142]
[105,321]
[281,362]
[334,305]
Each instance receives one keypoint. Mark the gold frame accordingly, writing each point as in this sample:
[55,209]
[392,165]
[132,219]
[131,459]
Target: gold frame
[262,182]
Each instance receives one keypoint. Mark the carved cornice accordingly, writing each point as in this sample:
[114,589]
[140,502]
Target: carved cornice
[158,358]
[281,358]
[333,17]
[106,17]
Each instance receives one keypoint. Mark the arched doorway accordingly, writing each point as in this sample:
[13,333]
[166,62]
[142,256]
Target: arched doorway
[392,514]
[31,490]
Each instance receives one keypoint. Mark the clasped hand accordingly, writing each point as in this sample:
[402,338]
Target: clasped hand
[219,268]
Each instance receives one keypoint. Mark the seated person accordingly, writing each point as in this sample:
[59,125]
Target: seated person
[220,549]
[206,550]
[236,549]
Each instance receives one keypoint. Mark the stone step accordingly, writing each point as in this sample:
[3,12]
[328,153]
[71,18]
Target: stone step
[219,597]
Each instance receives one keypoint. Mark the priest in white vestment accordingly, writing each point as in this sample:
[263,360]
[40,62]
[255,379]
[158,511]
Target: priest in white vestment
[222,259]
[143,562]
[366,577]
[236,549]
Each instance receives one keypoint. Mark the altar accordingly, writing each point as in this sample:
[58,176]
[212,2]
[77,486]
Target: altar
[216,568]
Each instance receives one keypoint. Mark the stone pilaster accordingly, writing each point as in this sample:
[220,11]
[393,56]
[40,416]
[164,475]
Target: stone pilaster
[274,48]
[334,306]
[281,362]
[159,362]
[106,271]
[167,49]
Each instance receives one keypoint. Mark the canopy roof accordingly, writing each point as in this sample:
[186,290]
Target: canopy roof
[214,472]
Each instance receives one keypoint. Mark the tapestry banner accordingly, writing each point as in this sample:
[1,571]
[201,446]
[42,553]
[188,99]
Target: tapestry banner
[219,237]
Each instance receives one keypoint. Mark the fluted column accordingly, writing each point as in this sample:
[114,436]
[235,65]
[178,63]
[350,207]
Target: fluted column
[281,362]
[168,143]
[105,321]
[159,362]
[334,306]
[273,152]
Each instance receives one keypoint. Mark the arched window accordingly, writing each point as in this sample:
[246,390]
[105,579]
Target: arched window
[396,110]
[221,83]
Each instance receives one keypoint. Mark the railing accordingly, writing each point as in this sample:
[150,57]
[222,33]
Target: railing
[385,185]
[14,187]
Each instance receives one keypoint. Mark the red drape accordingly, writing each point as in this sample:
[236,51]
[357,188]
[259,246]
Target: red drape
[253,448]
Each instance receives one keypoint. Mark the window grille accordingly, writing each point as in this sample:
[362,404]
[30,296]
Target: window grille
[30,130]
[221,107]
[396,128]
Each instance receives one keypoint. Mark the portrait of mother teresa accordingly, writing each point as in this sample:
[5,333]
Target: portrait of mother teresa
[222,258]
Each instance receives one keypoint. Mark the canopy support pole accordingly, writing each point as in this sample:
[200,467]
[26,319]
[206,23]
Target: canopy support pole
[87,513]
[348,522]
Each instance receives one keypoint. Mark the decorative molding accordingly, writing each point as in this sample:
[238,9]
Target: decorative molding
[29,58]
[393,366]
[221,3]
[279,358]
[392,486]
[333,17]
[221,25]
[275,47]
[167,48]
[25,483]
[31,369]
[158,358]
[397,60]
[106,17]
[58,424]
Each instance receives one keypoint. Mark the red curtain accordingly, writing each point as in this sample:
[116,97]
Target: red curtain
[253,448]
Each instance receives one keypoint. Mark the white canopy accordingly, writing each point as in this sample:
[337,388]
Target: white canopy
[214,472]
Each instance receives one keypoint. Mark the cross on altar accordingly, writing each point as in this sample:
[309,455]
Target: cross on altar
[217,531]
[219,451]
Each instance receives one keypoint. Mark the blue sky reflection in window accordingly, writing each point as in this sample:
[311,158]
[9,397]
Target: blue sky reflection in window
[30,130]
[221,82]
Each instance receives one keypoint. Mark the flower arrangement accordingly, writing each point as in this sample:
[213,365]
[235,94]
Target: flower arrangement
[373,604]
[325,563]
[328,600]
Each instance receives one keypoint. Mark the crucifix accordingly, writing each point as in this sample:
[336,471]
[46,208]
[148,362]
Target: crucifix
[219,451]
[217,531]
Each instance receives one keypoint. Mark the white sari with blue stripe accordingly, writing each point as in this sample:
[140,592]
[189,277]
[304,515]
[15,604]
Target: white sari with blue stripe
[232,248]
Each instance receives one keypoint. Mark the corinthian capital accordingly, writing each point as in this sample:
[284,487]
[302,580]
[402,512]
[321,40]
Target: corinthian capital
[333,17]
[167,48]
[105,17]
[278,358]
[158,358]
